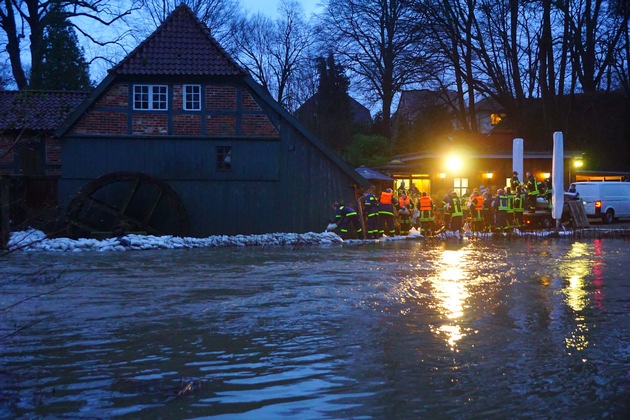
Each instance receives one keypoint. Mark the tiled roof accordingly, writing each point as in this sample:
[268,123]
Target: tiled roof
[360,114]
[489,105]
[413,102]
[37,110]
[181,45]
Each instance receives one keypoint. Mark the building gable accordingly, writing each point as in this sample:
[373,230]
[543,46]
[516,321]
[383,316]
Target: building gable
[181,45]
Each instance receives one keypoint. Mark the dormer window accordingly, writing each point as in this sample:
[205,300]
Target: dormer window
[192,98]
[150,97]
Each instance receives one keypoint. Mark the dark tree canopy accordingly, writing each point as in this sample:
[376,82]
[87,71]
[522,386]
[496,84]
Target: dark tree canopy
[33,18]
[334,114]
[63,64]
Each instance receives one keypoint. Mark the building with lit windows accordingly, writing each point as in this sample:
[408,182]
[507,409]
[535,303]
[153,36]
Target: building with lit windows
[436,173]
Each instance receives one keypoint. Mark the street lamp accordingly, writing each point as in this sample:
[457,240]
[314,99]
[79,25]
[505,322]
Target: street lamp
[576,163]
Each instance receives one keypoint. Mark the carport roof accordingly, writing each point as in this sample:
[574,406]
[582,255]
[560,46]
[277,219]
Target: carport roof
[371,174]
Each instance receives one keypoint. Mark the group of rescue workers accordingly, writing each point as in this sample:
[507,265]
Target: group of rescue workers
[479,210]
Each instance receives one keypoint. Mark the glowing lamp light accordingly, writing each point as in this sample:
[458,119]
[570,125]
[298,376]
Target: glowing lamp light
[546,175]
[454,164]
[442,175]
[578,163]
[488,175]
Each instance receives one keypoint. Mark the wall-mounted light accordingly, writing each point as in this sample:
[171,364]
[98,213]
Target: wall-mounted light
[488,175]
[442,175]
[578,163]
[546,175]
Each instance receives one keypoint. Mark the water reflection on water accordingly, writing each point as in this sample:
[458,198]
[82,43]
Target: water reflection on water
[407,329]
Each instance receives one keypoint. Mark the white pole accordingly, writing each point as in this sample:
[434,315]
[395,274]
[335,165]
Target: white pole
[557,174]
[517,158]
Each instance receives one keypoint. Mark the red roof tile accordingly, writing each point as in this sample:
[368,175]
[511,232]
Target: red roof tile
[37,110]
[181,45]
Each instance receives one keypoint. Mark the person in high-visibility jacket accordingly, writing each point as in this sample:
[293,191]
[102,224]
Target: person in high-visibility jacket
[514,182]
[427,218]
[488,211]
[447,208]
[519,205]
[370,203]
[532,191]
[572,193]
[346,217]
[548,193]
[386,213]
[405,208]
[501,208]
[465,198]
[457,213]
[510,210]
[476,210]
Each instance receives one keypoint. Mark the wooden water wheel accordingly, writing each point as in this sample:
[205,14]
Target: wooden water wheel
[126,202]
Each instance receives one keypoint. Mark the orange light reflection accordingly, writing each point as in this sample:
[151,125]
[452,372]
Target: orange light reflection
[449,289]
[576,267]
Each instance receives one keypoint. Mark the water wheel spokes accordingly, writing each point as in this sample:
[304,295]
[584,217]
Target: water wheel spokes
[126,202]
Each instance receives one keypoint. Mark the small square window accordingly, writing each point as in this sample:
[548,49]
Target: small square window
[192,97]
[224,158]
[150,97]
[460,185]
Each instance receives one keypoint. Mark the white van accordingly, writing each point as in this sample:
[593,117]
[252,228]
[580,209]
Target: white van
[605,200]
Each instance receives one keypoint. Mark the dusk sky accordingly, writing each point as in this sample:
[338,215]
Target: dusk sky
[270,6]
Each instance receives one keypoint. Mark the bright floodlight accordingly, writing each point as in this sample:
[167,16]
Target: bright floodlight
[578,163]
[454,164]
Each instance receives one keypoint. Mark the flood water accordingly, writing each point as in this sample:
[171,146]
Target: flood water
[408,329]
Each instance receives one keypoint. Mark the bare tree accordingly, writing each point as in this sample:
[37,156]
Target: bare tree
[501,49]
[506,49]
[620,72]
[595,30]
[453,26]
[275,51]
[375,41]
[21,18]
[218,15]
[4,76]
[250,42]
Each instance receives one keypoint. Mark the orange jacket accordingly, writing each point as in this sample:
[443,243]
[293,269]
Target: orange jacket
[404,202]
[479,205]
[426,203]
[386,197]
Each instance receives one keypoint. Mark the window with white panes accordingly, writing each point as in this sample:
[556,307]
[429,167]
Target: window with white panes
[150,97]
[460,185]
[192,97]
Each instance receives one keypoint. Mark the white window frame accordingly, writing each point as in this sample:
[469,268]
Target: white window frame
[192,95]
[460,185]
[150,97]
